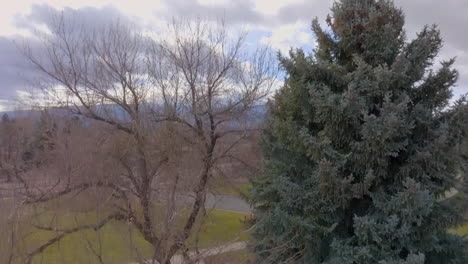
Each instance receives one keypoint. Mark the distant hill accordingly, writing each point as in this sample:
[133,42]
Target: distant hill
[255,116]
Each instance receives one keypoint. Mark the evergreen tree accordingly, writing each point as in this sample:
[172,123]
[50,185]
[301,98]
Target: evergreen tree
[45,132]
[5,118]
[7,139]
[360,146]
[42,140]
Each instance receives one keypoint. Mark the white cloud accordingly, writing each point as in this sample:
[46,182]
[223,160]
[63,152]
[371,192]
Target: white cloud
[289,36]
[285,22]
[141,9]
[5,105]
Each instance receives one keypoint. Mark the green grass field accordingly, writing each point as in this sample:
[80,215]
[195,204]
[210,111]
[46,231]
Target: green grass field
[117,242]
[462,230]
[231,189]
[460,204]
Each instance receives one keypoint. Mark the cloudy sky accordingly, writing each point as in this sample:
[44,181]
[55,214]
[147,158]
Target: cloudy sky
[280,23]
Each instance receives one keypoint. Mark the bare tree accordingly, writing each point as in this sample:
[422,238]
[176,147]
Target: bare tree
[167,104]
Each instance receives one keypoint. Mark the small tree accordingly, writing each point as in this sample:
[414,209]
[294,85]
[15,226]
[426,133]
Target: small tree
[6,147]
[361,146]
[5,118]
[9,147]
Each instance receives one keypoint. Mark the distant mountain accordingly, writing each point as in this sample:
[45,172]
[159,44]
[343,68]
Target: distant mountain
[256,115]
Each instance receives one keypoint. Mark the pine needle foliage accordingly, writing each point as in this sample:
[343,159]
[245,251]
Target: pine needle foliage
[361,145]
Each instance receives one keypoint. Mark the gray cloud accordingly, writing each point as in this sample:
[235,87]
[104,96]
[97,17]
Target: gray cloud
[15,71]
[12,70]
[451,18]
[448,14]
[234,11]
[86,17]
[304,11]
[244,12]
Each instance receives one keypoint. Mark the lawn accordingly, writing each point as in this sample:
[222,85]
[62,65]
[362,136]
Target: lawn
[459,203]
[462,230]
[116,243]
[237,189]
